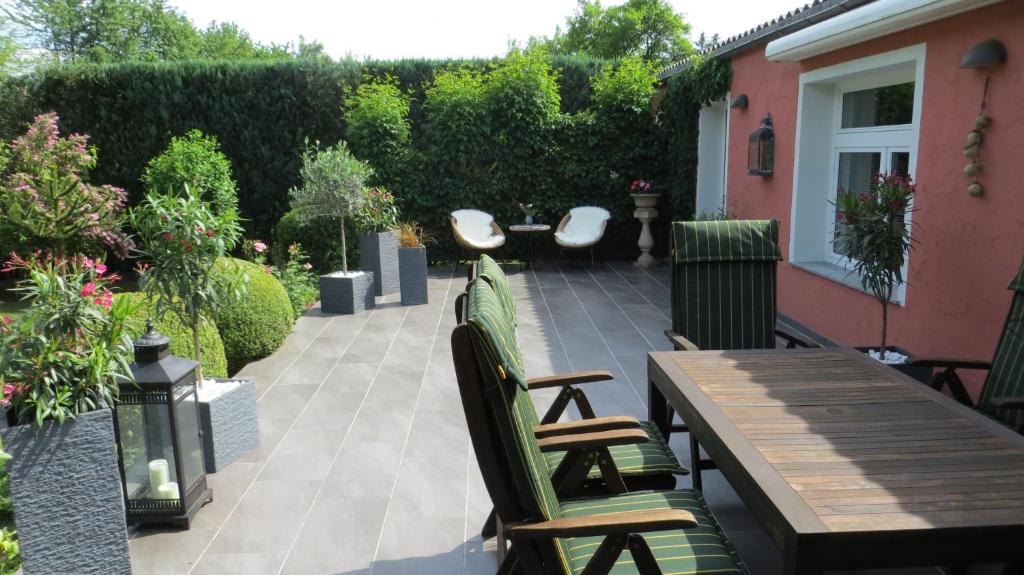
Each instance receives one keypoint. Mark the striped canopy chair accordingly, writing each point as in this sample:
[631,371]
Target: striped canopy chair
[723,294]
[1002,395]
[648,533]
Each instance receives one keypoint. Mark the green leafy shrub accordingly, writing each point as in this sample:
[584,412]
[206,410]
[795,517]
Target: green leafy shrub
[215,363]
[378,128]
[256,325]
[195,160]
[378,212]
[293,271]
[319,239]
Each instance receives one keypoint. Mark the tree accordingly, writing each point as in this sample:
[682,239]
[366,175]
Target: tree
[649,29]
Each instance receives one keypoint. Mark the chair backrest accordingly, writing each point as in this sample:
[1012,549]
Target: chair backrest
[723,283]
[587,222]
[491,272]
[493,390]
[474,225]
[1006,378]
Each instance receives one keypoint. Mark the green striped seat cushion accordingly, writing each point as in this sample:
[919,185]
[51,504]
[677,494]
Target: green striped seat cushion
[724,283]
[702,550]
[652,458]
[1006,378]
[491,271]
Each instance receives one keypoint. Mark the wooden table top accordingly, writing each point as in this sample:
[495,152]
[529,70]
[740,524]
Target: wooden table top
[832,441]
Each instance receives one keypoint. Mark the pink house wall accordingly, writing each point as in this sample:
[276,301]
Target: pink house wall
[967,248]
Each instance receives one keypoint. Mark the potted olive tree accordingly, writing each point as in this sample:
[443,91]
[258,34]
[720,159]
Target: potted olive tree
[377,221]
[872,232]
[333,185]
[181,239]
[412,263]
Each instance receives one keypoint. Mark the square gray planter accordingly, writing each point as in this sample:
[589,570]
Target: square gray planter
[230,426]
[67,496]
[378,253]
[347,294]
[412,265]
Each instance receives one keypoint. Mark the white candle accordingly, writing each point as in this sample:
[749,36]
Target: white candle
[168,490]
[158,475]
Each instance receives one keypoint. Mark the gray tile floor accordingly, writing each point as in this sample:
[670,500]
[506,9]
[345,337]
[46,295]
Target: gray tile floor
[365,464]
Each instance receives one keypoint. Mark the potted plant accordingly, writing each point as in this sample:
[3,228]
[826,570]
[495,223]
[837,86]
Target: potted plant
[412,262]
[377,221]
[181,240]
[333,185]
[528,213]
[872,232]
[645,201]
[60,365]
[642,193]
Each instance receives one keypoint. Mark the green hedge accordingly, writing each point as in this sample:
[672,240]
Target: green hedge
[256,325]
[214,361]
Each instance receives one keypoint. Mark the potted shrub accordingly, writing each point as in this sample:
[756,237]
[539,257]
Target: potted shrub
[182,240]
[60,365]
[377,220]
[333,185]
[871,231]
[412,263]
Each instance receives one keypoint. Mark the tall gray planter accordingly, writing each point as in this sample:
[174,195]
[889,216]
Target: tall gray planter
[346,293]
[378,253]
[412,266]
[230,425]
[67,496]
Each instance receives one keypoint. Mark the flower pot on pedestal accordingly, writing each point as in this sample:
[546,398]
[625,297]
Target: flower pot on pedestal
[67,497]
[412,264]
[379,254]
[645,212]
[227,416]
[346,292]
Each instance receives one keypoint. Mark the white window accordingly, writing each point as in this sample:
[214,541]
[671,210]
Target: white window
[855,120]
[712,158]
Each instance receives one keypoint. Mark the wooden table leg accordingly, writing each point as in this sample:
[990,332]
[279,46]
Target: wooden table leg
[698,483]
[803,558]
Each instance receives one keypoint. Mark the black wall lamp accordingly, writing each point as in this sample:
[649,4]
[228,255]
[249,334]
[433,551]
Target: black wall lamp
[761,149]
[987,53]
[741,102]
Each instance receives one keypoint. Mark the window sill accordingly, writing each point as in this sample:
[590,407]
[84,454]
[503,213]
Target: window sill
[845,277]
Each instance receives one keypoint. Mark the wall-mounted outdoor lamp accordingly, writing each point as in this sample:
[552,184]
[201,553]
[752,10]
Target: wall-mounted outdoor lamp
[987,53]
[761,149]
[740,102]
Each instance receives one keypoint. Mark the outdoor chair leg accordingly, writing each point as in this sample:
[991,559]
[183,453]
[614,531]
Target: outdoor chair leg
[591,258]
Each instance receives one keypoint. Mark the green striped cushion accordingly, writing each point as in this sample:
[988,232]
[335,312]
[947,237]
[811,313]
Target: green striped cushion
[703,549]
[724,284]
[1006,378]
[652,458]
[491,271]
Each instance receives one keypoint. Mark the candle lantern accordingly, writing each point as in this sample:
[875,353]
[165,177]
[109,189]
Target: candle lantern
[158,436]
[761,149]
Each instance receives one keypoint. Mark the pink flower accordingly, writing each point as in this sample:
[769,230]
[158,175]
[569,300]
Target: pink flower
[106,300]
[209,233]
[9,389]
[307,266]
[88,290]
[87,263]
[268,269]
[6,320]
[100,269]
[260,247]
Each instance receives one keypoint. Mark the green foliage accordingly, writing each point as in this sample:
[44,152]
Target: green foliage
[293,271]
[319,238]
[181,240]
[255,326]
[195,160]
[648,29]
[214,362]
[378,212]
[377,127]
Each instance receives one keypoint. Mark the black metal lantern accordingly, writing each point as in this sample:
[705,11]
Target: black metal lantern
[158,436]
[761,149]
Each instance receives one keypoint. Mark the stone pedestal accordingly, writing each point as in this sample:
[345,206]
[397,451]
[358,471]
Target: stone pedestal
[646,241]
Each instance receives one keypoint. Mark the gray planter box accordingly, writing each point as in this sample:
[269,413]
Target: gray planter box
[347,294]
[67,496]
[230,426]
[412,265]
[378,253]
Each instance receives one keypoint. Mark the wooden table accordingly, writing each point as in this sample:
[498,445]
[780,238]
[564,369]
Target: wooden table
[847,463]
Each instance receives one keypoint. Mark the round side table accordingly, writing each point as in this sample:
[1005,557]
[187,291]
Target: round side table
[530,230]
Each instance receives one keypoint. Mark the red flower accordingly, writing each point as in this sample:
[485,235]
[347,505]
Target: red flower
[188,248]
[168,236]
[100,269]
[88,289]
[209,233]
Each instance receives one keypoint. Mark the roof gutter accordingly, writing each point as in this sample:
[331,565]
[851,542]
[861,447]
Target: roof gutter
[868,22]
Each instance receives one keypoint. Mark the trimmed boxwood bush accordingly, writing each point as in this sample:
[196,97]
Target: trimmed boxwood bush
[214,361]
[255,325]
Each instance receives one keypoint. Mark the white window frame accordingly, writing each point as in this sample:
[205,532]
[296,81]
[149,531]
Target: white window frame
[820,139]
[713,157]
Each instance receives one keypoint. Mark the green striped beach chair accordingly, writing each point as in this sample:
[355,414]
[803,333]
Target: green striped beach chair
[664,532]
[1002,395]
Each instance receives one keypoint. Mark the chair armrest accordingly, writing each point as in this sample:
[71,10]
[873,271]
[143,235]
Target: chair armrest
[949,363]
[1008,402]
[791,340]
[572,378]
[586,426]
[595,440]
[680,342]
[625,522]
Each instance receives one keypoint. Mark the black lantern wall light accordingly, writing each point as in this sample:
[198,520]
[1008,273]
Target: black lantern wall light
[761,149]
[158,436]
